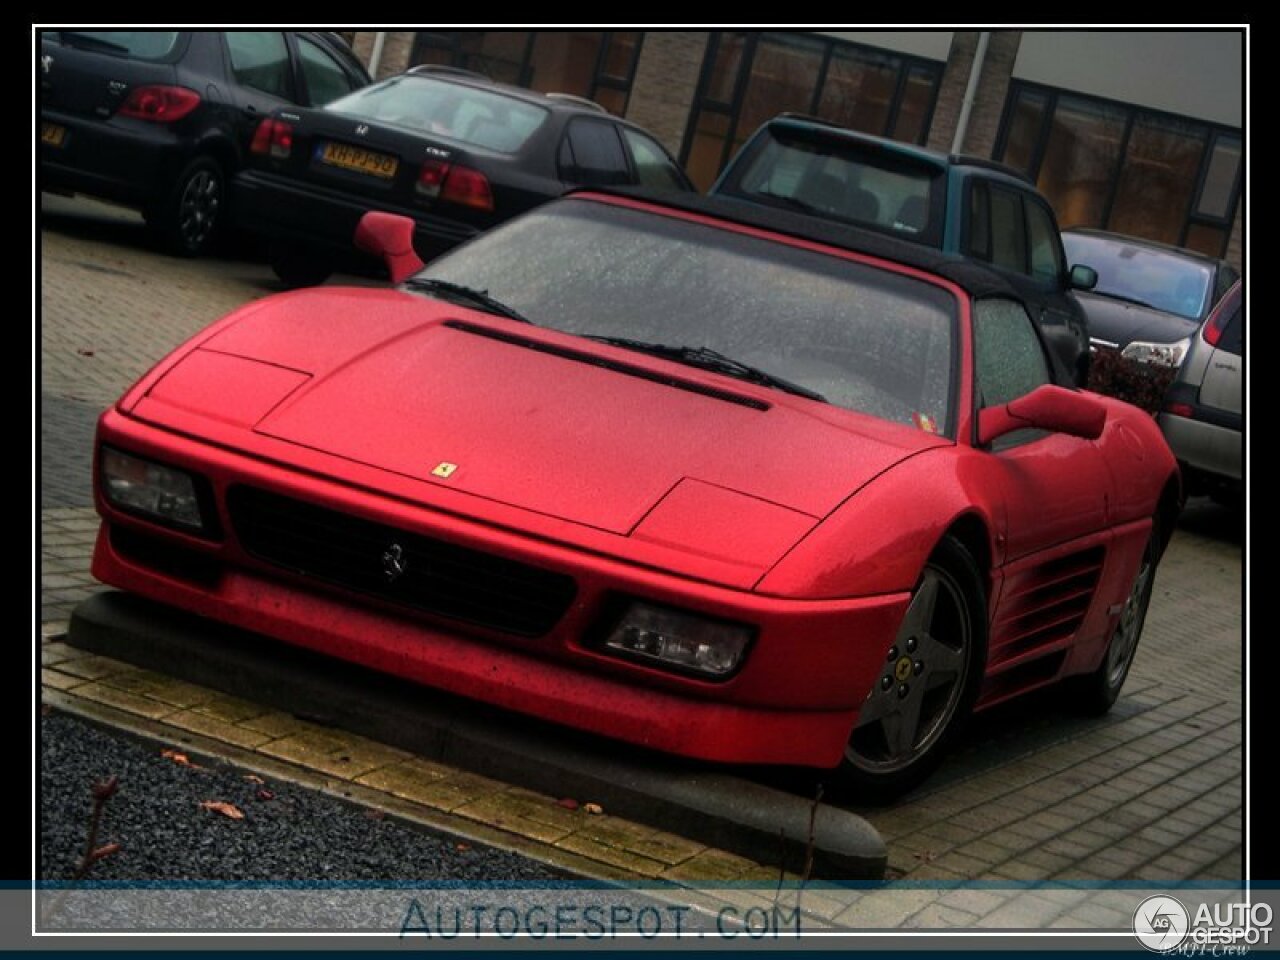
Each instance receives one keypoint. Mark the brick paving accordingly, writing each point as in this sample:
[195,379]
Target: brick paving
[1151,792]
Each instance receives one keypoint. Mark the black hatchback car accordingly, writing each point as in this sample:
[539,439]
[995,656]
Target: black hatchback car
[160,120]
[452,150]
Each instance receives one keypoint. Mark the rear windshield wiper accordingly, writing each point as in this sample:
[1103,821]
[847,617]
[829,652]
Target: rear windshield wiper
[795,203]
[709,359]
[467,295]
[89,40]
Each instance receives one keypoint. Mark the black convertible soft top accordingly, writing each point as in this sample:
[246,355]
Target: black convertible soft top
[978,280]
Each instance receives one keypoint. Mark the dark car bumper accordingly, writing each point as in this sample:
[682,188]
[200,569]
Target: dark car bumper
[320,218]
[130,162]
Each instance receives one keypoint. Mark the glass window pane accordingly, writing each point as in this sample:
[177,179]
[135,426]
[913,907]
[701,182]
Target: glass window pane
[1024,130]
[1206,239]
[858,92]
[978,222]
[1046,251]
[1080,159]
[1159,173]
[498,54]
[613,100]
[724,71]
[913,110]
[261,60]
[597,153]
[326,80]
[564,61]
[783,74]
[706,152]
[1220,181]
[620,57]
[1009,361]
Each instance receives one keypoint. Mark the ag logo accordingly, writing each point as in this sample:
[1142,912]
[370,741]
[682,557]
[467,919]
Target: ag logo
[1160,923]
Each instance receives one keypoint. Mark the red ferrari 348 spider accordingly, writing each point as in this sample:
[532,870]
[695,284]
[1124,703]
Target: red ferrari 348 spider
[708,478]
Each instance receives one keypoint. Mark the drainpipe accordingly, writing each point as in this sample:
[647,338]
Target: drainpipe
[970,91]
[375,58]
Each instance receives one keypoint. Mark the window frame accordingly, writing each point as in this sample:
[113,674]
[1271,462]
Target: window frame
[291,66]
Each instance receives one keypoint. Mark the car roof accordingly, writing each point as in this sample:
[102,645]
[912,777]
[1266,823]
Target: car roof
[975,278]
[1125,238]
[809,124]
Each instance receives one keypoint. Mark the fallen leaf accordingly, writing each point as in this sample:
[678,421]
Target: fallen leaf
[593,808]
[462,846]
[45,709]
[253,778]
[85,353]
[266,795]
[568,803]
[226,809]
[181,759]
[374,814]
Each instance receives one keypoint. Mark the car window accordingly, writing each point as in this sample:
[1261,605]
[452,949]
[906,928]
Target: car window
[1226,277]
[1010,362]
[841,181]
[1008,234]
[1046,249]
[653,167]
[133,44]
[326,80]
[593,155]
[260,59]
[456,111]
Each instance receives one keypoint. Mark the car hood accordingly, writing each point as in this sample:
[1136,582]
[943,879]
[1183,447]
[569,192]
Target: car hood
[534,419]
[1121,323]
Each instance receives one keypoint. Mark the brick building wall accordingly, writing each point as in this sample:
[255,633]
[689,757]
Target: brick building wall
[395,51]
[988,105]
[665,82]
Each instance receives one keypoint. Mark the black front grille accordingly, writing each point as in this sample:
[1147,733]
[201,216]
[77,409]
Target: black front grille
[423,573]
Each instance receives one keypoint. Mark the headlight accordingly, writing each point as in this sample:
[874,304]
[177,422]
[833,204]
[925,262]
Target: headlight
[164,494]
[1160,354]
[681,641]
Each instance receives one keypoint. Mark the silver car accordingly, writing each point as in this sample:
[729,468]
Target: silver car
[1203,412]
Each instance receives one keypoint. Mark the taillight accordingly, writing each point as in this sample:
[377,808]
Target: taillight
[460,185]
[273,137]
[1213,329]
[160,104]
[1180,410]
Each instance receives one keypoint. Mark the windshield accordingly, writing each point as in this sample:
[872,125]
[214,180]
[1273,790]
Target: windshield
[478,118]
[1147,275]
[840,181]
[138,44]
[861,337]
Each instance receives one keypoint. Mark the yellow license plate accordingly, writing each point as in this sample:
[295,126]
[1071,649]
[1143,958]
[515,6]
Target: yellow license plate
[52,134]
[359,160]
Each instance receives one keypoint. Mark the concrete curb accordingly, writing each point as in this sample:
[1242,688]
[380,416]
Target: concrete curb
[698,802]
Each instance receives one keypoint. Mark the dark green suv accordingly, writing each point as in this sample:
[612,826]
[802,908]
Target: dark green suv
[973,208]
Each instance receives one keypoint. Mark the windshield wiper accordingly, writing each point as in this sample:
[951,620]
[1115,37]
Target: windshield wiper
[709,359]
[795,203]
[89,40]
[467,295]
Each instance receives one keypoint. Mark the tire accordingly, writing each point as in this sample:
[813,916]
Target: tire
[191,216]
[922,700]
[1095,693]
[300,267]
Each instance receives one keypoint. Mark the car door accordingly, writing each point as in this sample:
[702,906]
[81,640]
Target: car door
[324,79]
[262,74]
[1015,232]
[1056,487]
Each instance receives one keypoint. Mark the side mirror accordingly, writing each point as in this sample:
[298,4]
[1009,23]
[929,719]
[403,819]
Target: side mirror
[1083,277]
[1045,408]
[389,236]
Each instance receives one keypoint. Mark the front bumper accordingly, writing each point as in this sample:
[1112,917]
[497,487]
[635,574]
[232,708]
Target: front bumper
[794,700]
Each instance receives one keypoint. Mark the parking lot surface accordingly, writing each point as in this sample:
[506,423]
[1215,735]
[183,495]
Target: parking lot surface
[1035,792]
